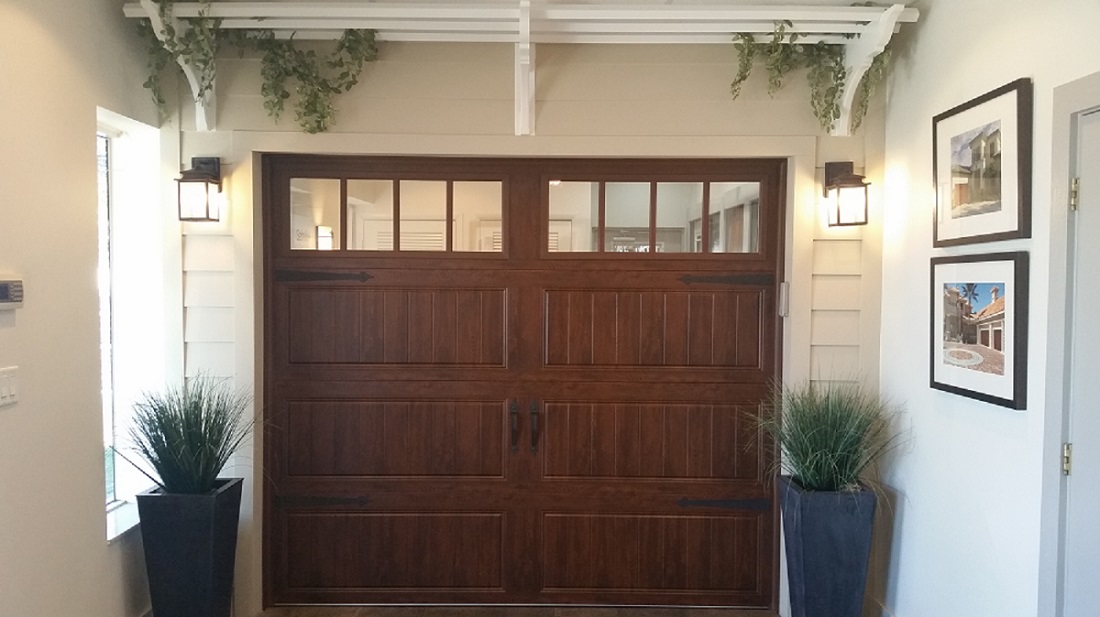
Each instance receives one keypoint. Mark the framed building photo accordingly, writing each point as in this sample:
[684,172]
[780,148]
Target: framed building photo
[979,327]
[981,165]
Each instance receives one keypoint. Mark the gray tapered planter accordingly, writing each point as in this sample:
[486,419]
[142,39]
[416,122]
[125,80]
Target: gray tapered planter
[828,541]
[190,547]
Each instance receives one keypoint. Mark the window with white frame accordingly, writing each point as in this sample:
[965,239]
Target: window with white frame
[133,279]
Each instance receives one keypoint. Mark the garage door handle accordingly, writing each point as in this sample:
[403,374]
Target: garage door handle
[513,414]
[534,426]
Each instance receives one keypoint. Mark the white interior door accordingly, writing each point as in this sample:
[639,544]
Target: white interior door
[1082,544]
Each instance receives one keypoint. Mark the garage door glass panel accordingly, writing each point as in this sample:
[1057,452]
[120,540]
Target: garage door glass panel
[627,219]
[737,208]
[423,207]
[477,217]
[679,209]
[574,217]
[314,214]
[370,215]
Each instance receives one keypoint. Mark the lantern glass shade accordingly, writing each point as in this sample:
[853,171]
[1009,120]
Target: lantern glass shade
[199,190]
[199,201]
[846,205]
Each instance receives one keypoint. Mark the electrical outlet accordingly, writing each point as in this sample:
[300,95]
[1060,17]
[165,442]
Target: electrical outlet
[9,386]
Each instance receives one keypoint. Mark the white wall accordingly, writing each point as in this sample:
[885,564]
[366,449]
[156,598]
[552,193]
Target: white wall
[976,519]
[60,59]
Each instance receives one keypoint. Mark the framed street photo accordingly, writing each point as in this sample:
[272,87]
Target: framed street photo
[981,166]
[979,327]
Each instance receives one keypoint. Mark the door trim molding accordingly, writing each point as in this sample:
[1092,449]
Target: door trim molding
[1071,101]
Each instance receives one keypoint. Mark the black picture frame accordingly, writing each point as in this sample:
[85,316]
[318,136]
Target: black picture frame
[981,167]
[979,327]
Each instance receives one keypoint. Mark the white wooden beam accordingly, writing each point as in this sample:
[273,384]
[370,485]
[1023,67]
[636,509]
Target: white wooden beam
[858,56]
[204,104]
[667,12]
[462,21]
[525,73]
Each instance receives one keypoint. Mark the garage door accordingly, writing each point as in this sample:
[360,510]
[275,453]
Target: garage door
[519,381]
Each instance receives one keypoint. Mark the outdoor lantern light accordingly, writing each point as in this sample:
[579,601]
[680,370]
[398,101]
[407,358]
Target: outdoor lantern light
[845,195]
[200,190]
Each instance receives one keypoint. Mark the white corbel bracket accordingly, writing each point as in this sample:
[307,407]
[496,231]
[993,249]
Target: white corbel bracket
[204,105]
[525,73]
[858,56]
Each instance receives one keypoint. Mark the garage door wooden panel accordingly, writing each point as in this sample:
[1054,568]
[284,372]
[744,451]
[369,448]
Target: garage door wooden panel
[397,326]
[654,328]
[395,550]
[639,553]
[395,438]
[636,441]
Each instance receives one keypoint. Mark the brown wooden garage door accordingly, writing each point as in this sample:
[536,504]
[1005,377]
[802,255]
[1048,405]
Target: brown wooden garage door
[544,405]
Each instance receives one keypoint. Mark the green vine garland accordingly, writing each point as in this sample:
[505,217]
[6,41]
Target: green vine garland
[318,78]
[282,60]
[825,72]
[197,45]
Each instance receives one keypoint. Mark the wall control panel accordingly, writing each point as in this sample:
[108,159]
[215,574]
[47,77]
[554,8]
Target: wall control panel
[9,386]
[11,294]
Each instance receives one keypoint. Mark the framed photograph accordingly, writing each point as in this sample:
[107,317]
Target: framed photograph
[981,166]
[979,327]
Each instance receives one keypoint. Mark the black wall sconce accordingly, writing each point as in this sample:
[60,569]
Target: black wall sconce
[845,195]
[199,190]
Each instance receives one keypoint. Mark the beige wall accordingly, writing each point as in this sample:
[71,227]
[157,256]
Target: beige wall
[598,100]
[60,59]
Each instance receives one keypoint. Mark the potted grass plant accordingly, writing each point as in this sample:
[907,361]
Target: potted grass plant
[830,435]
[186,435]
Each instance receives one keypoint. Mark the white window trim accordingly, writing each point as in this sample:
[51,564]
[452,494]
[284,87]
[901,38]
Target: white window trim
[143,284]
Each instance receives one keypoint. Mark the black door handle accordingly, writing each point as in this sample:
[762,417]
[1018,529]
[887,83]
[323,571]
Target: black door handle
[513,414]
[534,426]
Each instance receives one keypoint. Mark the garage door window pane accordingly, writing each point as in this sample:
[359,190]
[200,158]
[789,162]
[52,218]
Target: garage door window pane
[574,217]
[314,214]
[423,215]
[370,215]
[627,218]
[737,206]
[679,212]
[478,207]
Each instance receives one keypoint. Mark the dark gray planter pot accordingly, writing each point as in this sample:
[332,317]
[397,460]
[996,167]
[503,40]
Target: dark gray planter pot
[828,540]
[190,547]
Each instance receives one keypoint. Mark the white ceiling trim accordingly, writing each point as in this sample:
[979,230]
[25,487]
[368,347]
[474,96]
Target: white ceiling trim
[864,31]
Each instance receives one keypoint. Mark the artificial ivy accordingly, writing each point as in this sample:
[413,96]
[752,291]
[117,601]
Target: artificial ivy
[825,71]
[158,59]
[825,75]
[318,78]
[874,76]
[197,46]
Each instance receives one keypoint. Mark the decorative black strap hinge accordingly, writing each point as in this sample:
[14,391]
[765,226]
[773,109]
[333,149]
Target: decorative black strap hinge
[756,279]
[283,275]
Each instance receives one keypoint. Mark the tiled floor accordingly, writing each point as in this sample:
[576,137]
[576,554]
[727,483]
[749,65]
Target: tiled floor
[523,611]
